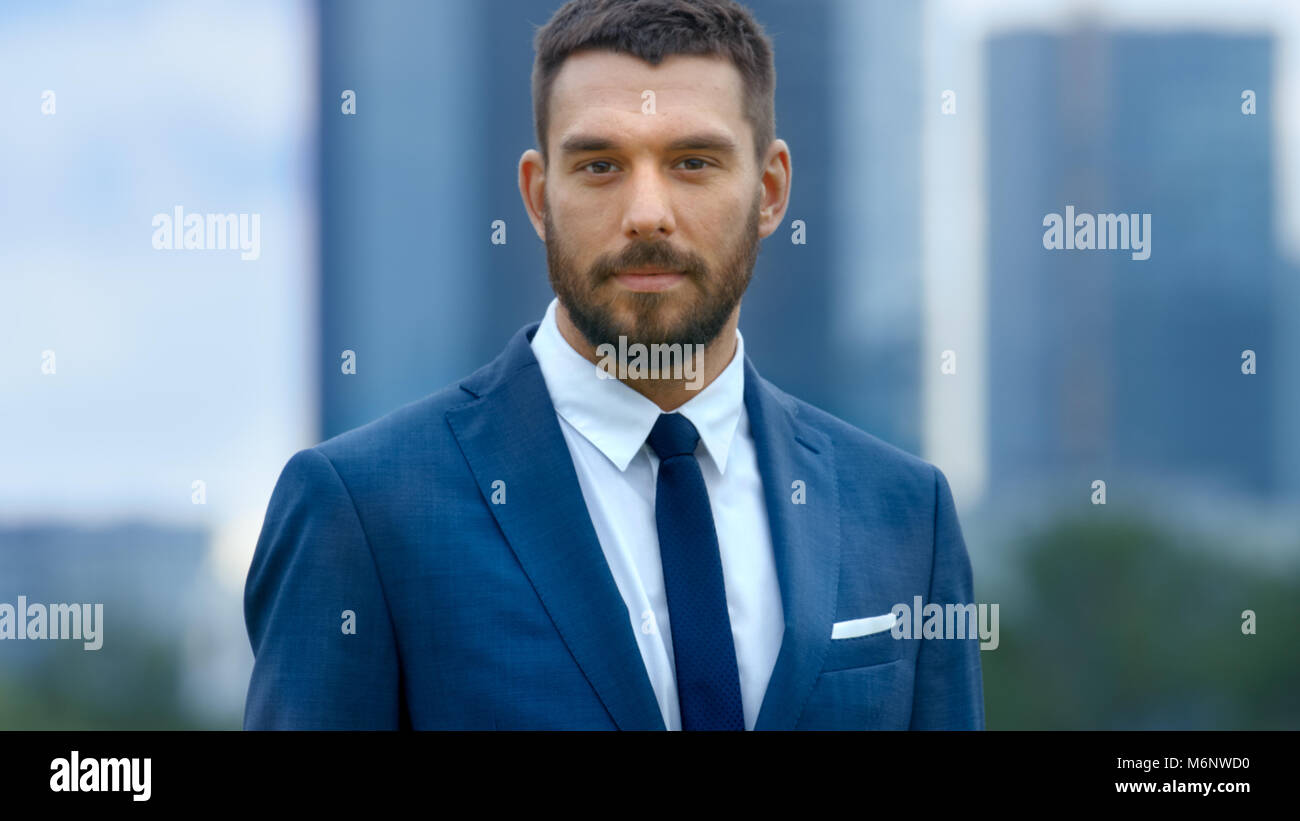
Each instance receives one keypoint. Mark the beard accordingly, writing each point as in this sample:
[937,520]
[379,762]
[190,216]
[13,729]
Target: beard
[692,312]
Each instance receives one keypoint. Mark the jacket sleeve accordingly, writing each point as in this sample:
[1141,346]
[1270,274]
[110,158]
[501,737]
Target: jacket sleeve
[949,686]
[324,651]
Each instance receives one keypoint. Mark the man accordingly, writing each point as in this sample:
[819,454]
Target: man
[576,538]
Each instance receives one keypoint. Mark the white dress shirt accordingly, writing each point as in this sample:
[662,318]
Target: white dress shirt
[605,425]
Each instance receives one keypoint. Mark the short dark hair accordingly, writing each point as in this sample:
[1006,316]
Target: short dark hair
[652,30]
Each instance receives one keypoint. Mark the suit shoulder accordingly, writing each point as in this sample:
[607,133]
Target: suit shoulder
[859,447]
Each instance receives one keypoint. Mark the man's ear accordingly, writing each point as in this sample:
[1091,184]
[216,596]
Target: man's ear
[774,188]
[532,188]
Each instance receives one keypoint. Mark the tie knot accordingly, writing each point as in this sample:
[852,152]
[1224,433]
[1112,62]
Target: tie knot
[673,435]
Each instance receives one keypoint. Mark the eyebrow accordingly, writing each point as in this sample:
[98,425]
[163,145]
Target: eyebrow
[580,143]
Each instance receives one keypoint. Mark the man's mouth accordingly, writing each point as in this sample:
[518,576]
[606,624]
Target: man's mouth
[649,279]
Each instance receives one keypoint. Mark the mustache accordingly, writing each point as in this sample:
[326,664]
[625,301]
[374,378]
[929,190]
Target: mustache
[657,254]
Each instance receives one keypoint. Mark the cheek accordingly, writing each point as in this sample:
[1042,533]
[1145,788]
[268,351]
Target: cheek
[579,203]
[714,229]
[584,226]
[716,211]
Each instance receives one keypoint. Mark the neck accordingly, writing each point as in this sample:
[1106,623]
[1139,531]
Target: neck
[668,394]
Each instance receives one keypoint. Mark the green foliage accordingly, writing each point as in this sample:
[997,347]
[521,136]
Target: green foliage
[1123,625]
[130,684]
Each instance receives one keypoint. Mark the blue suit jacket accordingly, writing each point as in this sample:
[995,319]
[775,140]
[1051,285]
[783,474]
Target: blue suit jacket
[469,614]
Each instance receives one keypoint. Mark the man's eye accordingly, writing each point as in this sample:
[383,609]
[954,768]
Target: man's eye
[600,167]
[702,163]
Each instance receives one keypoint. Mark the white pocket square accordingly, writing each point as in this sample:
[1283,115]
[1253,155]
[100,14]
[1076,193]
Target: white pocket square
[854,628]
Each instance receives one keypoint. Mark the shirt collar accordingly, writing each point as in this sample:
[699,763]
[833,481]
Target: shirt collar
[617,419]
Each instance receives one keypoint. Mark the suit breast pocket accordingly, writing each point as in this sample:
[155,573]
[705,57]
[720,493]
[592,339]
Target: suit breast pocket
[872,697]
[864,651]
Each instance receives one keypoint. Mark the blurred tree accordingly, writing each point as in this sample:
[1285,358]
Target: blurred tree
[134,686]
[1128,626]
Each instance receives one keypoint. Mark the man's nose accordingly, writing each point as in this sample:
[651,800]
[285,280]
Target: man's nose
[648,213]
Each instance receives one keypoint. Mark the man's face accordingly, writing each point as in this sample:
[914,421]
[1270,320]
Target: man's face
[651,219]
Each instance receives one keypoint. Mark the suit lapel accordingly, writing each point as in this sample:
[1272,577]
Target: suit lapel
[509,431]
[805,540]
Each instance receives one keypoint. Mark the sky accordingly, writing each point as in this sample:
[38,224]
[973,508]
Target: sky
[170,366]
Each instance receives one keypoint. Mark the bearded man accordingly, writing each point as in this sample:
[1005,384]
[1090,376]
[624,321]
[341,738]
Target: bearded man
[681,546]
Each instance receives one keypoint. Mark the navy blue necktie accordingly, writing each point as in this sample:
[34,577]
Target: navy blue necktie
[708,683]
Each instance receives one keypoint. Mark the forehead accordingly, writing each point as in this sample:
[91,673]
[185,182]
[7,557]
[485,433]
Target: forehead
[602,90]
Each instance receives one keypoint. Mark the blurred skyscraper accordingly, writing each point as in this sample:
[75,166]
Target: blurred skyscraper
[401,183]
[1107,367]
[876,314]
